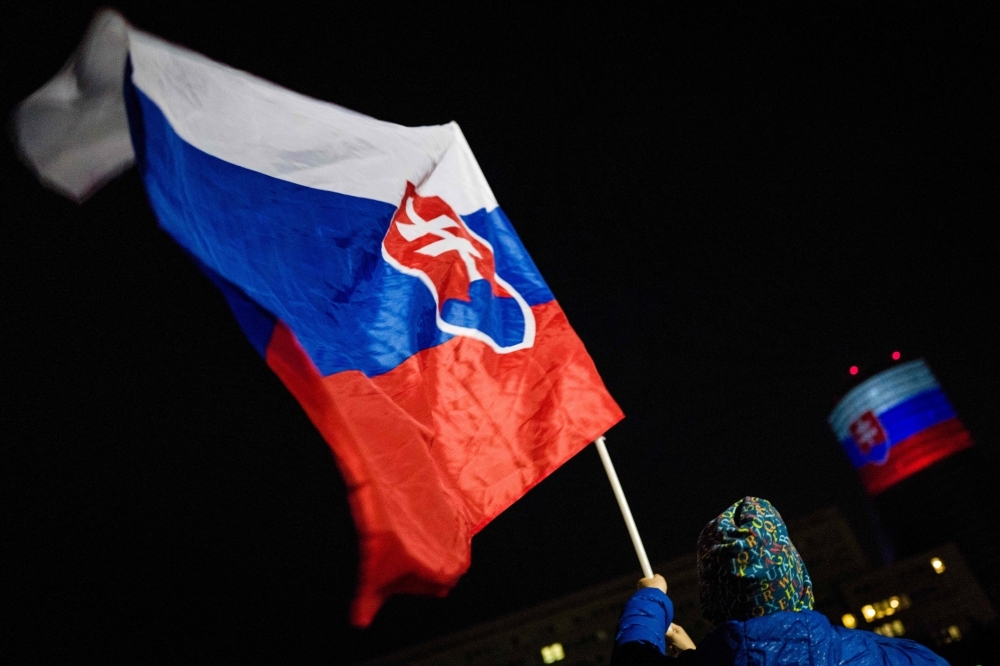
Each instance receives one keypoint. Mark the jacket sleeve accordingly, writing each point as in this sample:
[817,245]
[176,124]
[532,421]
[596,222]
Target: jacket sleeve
[857,647]
[645,620]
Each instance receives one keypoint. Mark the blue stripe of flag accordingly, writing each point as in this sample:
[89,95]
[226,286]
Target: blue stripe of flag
[906,419]
[918,413]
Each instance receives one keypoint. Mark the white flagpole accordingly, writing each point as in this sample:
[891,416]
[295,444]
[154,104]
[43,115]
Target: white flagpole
[616,486]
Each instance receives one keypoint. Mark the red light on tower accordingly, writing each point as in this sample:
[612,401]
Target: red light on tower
[896,355]
[853,370]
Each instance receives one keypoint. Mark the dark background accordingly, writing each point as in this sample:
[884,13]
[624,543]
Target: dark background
[732,207]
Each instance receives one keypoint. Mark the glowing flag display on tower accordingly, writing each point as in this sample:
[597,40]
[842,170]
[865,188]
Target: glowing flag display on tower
[897,423]
[371,267]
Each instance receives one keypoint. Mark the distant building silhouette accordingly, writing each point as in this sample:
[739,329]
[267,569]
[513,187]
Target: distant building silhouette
[948,502]
[932,598]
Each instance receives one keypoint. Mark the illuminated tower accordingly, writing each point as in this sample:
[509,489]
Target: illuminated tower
[915,458]
[896,424]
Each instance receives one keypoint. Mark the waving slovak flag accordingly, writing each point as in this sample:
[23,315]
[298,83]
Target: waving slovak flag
[368,263]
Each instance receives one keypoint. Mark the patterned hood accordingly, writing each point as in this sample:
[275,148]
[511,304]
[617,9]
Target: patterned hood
[748,567]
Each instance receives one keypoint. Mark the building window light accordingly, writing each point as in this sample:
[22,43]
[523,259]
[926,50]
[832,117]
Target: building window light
[947,635]
[885,608]
[849,621]
[937,565]
[553,653]
[891,629]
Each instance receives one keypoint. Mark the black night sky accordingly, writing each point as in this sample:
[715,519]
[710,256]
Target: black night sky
[732,207]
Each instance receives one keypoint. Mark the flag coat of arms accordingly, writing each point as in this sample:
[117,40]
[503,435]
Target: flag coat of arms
[371,267]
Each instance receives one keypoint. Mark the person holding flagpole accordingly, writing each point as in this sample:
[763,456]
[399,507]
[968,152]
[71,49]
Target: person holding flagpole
[756,591]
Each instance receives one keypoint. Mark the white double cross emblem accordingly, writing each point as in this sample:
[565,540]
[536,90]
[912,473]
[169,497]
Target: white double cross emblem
[866,432]
[448,241]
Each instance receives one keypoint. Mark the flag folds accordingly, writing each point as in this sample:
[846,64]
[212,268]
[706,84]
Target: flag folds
[371,267]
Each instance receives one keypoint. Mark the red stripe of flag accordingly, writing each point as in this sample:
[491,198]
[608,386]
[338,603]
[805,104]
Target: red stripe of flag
[440,445]
[915,453]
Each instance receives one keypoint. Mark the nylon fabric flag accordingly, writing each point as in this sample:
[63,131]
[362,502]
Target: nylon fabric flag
[897,423]
[371,267]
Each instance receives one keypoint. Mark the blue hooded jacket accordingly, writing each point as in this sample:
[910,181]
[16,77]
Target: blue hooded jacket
[784,638]
[806,637]
[757,592]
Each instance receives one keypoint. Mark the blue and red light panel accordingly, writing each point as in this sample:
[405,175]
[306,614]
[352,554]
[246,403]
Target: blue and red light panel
[896,423]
